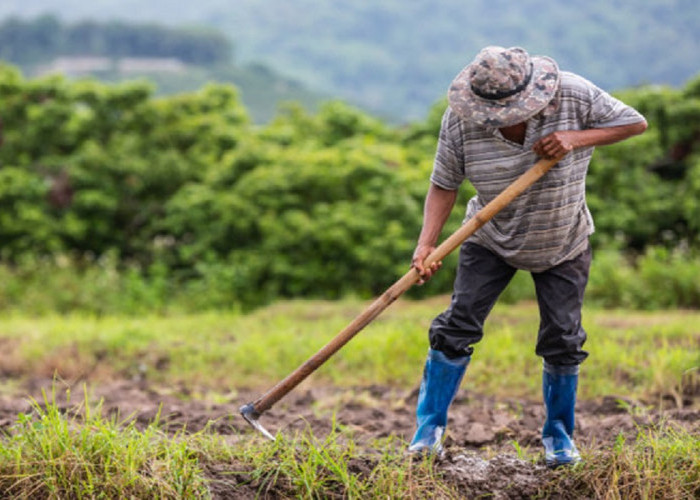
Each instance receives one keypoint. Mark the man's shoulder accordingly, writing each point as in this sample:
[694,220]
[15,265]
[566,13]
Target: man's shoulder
[451,117]
[573,83]
[454,125]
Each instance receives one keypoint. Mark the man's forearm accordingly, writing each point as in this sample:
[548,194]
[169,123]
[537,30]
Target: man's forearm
[561,142]
[610,135]
[438,205]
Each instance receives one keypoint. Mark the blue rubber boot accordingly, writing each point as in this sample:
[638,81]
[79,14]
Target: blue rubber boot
[441,379]
[559,388]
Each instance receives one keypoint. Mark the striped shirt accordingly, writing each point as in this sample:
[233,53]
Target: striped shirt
[550,222]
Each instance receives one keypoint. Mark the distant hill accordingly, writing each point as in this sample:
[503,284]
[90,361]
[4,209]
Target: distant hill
[175,59]
[397,57]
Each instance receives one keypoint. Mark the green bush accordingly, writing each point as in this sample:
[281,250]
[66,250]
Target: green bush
[658,279]
[182,193]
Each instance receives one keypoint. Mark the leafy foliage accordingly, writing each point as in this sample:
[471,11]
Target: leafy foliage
[188,193]
[645,190]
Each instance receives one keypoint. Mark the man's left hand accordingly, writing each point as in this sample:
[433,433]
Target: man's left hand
[556,144]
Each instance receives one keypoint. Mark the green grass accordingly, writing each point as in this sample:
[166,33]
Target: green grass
[662,462]
[305,466]
[637,354]
[47,454]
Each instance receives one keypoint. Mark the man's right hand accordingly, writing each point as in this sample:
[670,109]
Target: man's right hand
[438,204]
[419,255]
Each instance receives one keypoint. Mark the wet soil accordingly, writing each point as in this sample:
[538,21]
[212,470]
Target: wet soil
[481,458]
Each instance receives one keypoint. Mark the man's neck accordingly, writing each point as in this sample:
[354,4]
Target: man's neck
[515,133]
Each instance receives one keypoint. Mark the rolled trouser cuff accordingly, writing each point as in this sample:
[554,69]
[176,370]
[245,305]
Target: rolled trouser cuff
[441,357]
[560,369]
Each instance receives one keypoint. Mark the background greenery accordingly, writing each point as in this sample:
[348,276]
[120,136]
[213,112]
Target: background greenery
[122,201]
[396,58]
[45,37]
[206,55]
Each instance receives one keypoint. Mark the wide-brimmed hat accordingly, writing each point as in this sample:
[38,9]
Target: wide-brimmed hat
[503,87]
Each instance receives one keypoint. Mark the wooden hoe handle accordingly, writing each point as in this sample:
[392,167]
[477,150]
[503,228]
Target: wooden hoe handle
[265,402]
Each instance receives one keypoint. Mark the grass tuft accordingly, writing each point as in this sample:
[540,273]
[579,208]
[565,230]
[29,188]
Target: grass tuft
[335,466]
[47,454]
[663,461]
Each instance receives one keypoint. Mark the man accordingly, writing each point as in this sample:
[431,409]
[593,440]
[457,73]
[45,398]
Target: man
[505,109]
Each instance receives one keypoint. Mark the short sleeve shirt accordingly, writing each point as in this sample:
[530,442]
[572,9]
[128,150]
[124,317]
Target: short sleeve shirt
[550,222]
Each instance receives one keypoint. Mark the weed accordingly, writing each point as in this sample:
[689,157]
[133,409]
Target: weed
[663,461]
[47,454]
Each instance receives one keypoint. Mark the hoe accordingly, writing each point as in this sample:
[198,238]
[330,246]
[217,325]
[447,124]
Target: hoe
[252,411]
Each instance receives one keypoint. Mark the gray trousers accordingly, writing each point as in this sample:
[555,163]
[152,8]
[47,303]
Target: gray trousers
[482,276]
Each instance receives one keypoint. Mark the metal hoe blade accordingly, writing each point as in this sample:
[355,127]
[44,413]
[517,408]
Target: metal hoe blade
[251,416]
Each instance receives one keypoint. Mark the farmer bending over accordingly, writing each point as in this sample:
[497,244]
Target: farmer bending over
[505,109]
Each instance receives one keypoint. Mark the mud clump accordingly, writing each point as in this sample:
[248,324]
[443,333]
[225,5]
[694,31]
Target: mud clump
[500,477]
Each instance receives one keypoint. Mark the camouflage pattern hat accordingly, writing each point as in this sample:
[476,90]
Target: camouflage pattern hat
[503,87]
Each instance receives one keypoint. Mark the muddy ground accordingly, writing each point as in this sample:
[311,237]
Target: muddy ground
[480,457]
